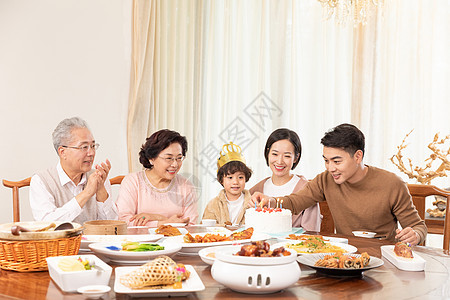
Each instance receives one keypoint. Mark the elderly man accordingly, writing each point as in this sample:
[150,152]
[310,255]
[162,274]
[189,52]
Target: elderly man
[72,190]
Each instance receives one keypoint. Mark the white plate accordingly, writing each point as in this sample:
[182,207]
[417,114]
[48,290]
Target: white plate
[176,224]
[182,230]
[348,248]
[416,263]
[310,260]
[132,257]
[190,285]
[86,240]
[332,239]
[204,254]
[193,248]
[366,234]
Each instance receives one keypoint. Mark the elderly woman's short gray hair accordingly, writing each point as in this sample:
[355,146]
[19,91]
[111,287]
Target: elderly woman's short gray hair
[62,133]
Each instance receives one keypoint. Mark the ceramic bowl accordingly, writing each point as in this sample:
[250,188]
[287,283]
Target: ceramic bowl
[71,281]
[209,222]
[93,291]
[255,275]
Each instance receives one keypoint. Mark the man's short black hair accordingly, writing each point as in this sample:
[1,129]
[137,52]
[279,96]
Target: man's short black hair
[346,137]
[232,167]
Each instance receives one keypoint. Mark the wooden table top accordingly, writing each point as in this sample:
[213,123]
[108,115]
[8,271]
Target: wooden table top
[384,282]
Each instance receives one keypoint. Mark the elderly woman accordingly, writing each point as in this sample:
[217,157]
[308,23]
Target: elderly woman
[158,195]
[282,152]
[72,190]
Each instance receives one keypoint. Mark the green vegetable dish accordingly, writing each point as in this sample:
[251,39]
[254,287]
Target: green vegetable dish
[138,247]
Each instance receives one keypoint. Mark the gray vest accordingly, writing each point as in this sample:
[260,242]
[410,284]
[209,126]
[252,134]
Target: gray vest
[62,195]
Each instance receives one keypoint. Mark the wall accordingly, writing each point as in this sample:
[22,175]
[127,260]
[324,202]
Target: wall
[60,59]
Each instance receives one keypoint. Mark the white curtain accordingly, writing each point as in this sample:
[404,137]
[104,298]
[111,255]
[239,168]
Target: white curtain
[220,71]
[406,86]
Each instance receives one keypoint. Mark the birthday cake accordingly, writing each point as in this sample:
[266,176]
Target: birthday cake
[270,220]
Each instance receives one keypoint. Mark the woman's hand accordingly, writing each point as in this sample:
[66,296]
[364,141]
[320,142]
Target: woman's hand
[260,199]
[175,219]
[141,219]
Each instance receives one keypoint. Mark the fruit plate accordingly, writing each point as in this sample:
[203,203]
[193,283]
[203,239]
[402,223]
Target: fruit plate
[191,285]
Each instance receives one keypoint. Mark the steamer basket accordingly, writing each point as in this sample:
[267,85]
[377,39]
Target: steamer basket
[30,256]
[105,227]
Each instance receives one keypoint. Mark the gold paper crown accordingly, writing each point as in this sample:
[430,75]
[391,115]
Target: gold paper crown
[230,152]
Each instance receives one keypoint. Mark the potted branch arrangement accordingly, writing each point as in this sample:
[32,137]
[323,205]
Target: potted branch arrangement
[440,155]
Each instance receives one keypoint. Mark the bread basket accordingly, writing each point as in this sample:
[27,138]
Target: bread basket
[28,252]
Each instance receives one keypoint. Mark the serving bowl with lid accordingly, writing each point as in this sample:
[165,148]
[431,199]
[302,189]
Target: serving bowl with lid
[254,275]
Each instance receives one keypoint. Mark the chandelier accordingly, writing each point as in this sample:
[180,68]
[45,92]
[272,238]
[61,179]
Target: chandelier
[356,10]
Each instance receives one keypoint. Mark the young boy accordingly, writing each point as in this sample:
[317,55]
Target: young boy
[229,206]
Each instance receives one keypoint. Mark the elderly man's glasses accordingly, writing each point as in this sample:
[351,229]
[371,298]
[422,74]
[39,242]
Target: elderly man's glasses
[171,160]
[84,148]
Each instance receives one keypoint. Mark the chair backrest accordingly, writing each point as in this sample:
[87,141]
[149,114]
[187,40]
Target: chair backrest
[327,225]
[418,193]
[16,185]
[116,180]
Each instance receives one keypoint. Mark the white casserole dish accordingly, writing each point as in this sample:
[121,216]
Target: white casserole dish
[254,275]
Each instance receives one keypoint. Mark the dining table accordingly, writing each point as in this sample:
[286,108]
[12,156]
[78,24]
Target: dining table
[384,282]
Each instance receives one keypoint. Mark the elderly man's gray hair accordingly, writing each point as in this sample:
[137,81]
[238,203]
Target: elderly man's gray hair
[62,133]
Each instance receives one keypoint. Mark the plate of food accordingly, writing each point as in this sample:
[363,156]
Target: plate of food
[366,234]
[350,265]
[192,243]
[86,240]
[145,281]
[402,256]
[317,246]
[133,252]
[300,237]
[168,230]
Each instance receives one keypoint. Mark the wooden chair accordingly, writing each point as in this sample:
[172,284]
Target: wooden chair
[116,180]
[437,226]
[327,225]
[16,185]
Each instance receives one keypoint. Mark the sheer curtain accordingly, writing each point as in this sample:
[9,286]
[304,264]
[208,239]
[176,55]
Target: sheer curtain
[405,84]
[220,71]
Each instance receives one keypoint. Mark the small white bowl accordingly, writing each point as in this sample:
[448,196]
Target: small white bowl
[209,222]
[93,291]
[203,253]
[366,234]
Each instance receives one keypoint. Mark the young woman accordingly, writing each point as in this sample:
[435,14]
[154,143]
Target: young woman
[282,152]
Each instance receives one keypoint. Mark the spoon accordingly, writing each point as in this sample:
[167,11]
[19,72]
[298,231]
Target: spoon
[16,229]
[64,226]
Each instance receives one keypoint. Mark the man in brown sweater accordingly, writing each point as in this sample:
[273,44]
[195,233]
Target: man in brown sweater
[360,197]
